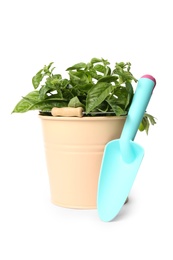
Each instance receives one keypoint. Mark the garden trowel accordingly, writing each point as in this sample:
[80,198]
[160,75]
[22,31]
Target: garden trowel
[122,158]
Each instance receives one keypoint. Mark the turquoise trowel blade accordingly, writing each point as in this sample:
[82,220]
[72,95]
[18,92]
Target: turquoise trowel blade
[116,178]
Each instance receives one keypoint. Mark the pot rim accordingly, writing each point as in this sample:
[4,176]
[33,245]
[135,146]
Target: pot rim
[85,118]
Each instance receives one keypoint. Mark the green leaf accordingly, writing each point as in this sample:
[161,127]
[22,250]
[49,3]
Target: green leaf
[95,60]
[119,111]
[54,79]
[112,101]
[37,79]
[94,74]
[151,118]
[141,127]
[68,93]
[55,97]
[121,96]
[123,71]
[25,103]
[103,107]
[43,91]
[100,68]
[77,66]
[47,105]
[47,70]
[108,71]
[77,78]
[121,64]
[64,83]
[105,62]
[75,102]
[97,94]
[108,79]
[146,121]
[130,94]
[53,82]
[146,124]
[84,88]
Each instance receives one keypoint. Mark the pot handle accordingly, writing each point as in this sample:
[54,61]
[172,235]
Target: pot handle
[67,111]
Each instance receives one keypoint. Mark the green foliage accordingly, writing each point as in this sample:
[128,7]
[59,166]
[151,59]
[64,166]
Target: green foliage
[146,122]
[94,86]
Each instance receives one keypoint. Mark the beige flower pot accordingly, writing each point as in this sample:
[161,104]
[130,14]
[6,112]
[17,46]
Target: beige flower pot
[74,149]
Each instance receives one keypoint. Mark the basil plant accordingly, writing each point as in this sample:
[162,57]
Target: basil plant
[94,86]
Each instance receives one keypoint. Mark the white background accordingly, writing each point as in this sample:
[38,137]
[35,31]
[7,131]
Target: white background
[34,33]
